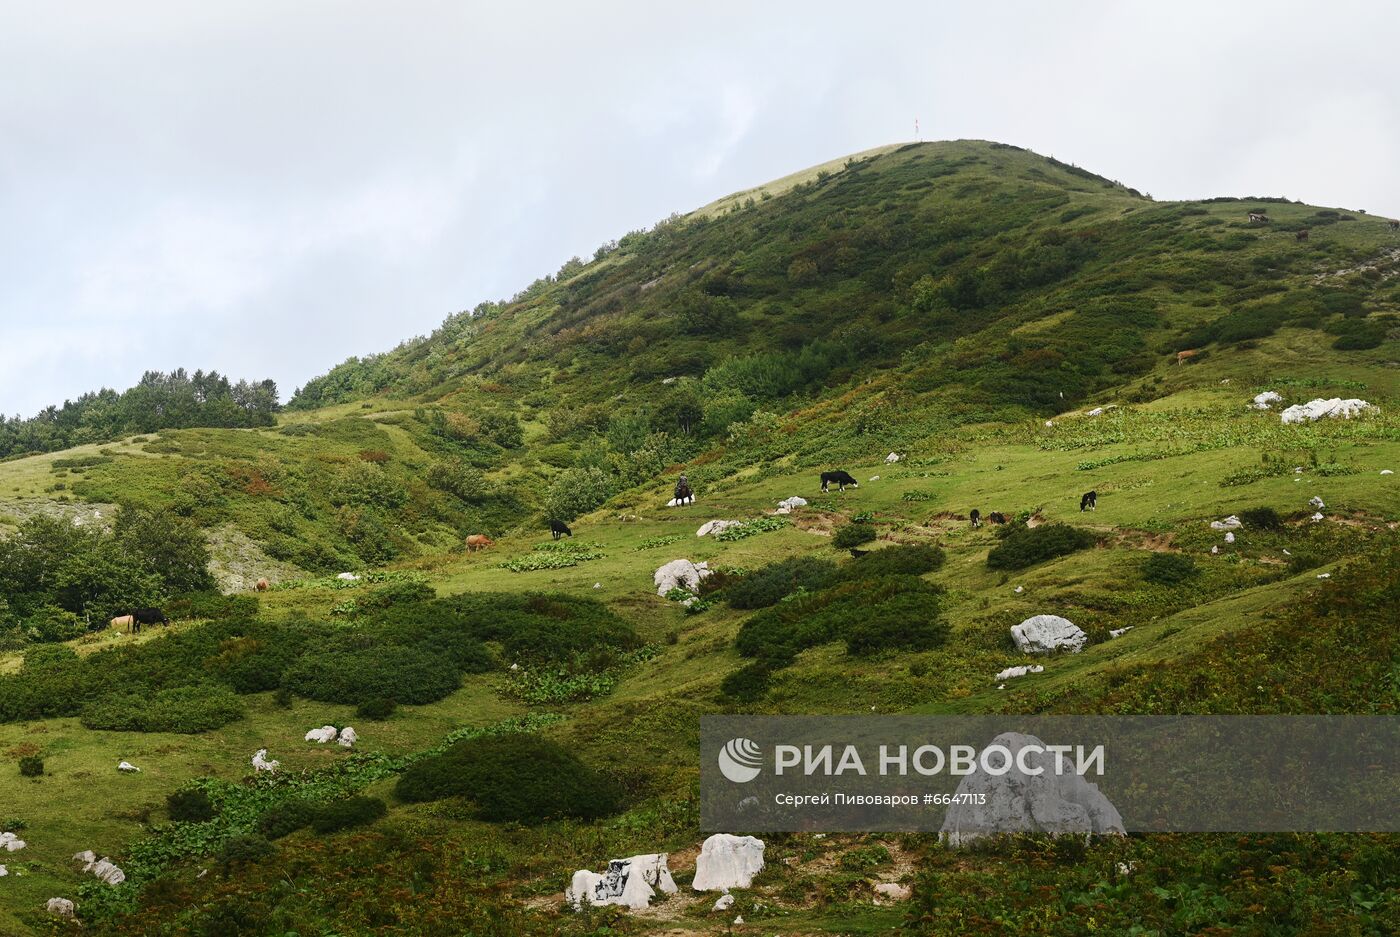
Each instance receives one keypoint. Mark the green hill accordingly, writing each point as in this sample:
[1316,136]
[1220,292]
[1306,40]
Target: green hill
[1007,324]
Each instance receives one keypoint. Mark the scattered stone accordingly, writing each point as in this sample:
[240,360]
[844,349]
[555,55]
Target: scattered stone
[892,458]
[1387,472]
[1329,408]
[1019,589]
[1230,523]
[11,843]
[679,574]
[4,871]
[1043,634]
[874,478]
[321,735]
[1215,550]
[1020,802]
[892,891]
[739,920]
[1126,868]
[61,906]
[347,577]
[1317,517]
[1020,671]
[787,505]
[1119,632]
[127,767]
[261,762]
[1266,400]
[1324,575]
[1097,411]
[724,902]
[104,869]
[348,737]
[514,666]
[1317,502]
[597,585]
[727,861]
[1230,537]
[628,882]
[714,527]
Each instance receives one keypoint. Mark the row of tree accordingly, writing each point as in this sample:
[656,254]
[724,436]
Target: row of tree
[177,400]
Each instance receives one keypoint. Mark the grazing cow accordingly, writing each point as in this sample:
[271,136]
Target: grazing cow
[996,517]
[857,554]
[1395,225]
[1089,501]
[976,516]
[841,478]
[124,621]
[1258,217]
[1188,353]
[479,542]
[262,585]
[148,616]
[1302,235]
[559,529]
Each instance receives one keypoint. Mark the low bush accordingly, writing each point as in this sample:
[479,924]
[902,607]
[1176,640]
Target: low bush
[852,535]
[1168,569]
[409,674]
[379,708]
[241,850]
[749,683]
[901,560]
[191,805]
[770,584]
[1261,518]
[286,818]
[513,778]
[186,709]
[1026,546]
[344,814]
[31,766]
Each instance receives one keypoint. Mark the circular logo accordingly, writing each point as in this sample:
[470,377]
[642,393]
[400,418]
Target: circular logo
[740,760]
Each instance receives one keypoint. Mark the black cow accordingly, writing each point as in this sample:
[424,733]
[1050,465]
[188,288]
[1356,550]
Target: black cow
[996,517]
[976,516]
[559,529]
[858,553]
[1089,502]
[147,616]
[842,479]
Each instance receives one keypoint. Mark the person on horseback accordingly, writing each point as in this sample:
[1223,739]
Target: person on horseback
[683,492]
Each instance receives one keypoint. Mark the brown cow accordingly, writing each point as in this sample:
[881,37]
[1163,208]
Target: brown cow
[1188,353]
[1395,226]
[262,585]
[124,621]
[479,542]
[1302,235]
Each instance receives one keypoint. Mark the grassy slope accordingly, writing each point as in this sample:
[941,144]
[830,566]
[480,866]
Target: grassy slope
[1161,503]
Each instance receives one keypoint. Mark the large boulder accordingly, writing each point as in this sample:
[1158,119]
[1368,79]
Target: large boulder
[11,843]
[1044,634]
[104,869]
[680,574]
[1265,400]
[787,505]
[727,861]
[1334,408]
[60,906]
[1019,802]
[322,735]
[715,527]
[127,767]
[1230,523]
[348,737]
[262,763]
[627,882]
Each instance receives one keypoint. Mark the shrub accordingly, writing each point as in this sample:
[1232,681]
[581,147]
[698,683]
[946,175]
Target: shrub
[766,586]
[379,708]
[411,674]
[909,620]
[1261,518]
[902,560]
[1168,569]
[185,709]
[286,818]
[517,777]
[31,766]
[343,814]
[852,535]
[191,805]
[749,683]
[241,850]
[1027,546]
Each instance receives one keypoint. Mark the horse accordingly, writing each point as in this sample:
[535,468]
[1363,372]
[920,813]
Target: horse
[683,494]
[996,517]
[841,478]
[1089,501]
[559,529]
[976,516]
[857,554]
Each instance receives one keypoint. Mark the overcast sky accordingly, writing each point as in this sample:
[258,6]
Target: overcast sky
[268,188]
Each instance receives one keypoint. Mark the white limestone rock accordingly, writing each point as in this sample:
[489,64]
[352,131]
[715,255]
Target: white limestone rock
[347,577]
[1021,671]
[104,869]
[1045,634]
[61,907]
[1316,502]
[724,902]
[4,871]
[715,527]
[787,505]
[679,574]
[1230,537]
[676,502]
[1097,411]
[322,735]
[1266,400]
[1020,802]
[127,767]
[1230,523]
[628,882]
[348,737]
[11,843]
[1317,518]
[261,762]
[892,891]
[1119,632]
[892,458]
[1332,408]
[727,861]
[1387,472]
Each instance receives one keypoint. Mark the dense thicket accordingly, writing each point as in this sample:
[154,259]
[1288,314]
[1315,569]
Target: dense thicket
[176,400]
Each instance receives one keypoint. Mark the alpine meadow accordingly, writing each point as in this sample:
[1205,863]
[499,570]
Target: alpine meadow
[455,564]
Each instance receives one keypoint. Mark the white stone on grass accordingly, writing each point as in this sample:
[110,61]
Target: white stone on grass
[322,735]
[60,906]
[348,737]
[628,882]
[679,574]
[1044,634]
[724,902]
[727,861]
[892,891]
[1020,671]
[715,527]
[11,843]
[127,767]
[787,505]
[1334,408]
[261,762]
[1230,523]
[1266,400]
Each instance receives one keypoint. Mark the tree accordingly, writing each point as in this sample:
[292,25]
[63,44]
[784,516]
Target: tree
[172,548]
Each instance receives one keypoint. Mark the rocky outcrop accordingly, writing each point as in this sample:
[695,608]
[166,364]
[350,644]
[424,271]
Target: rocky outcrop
[1044,634]
[11,843]
[727,861]
[787,505]
[1265,400]
[1332,408]
[322,735]
[715,527]
[890,892]
[348,737]
[1021,671]
[61,907]
[103,869]
[679,574]
[1022,802]
[1230,523]
[630,883]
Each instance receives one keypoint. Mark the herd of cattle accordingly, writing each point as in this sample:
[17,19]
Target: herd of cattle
[134,619]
